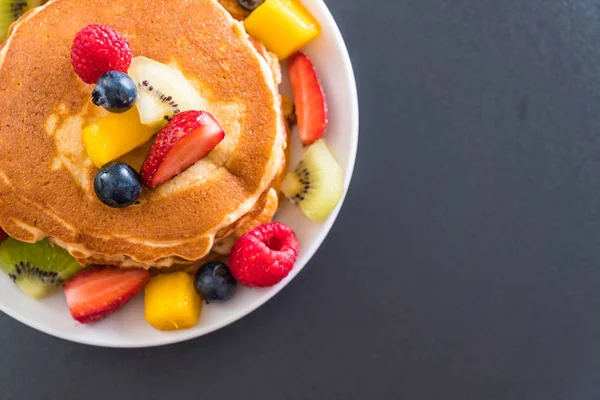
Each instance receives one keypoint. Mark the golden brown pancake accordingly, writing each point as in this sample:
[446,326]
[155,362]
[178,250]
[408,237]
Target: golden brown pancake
[46,178]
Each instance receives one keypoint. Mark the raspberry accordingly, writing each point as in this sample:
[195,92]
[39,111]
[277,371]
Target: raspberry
[98,49]
[264,256]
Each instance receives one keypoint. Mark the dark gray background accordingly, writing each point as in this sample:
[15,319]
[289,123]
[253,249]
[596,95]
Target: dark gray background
[464,264]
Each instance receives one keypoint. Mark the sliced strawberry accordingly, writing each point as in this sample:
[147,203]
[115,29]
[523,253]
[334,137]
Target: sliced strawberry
[3,235]
[187,138]
[96,292]
[311,107]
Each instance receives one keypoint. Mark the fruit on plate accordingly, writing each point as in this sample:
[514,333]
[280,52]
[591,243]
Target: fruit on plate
[309,98]
[264,256]
[162,92]
[250,4]
[171,302]
[11,10]
[114,136]
[283,26]
[115,91]
[187,138]
[98,49]
[214,282]
[317,182]
[96,292]
[3,236]
[37,268]
[117,185]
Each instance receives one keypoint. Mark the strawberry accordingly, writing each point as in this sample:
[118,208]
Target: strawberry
[311,107]
[98,291]
[3,236]
[187,138]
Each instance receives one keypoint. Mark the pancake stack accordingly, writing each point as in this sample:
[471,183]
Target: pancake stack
[46,176]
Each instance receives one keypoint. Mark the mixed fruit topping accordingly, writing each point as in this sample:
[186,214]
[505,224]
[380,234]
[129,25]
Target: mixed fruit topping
[153,104]
[166,105]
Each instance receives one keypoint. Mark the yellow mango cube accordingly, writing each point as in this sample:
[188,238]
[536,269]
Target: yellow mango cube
[115,135]
[171,302]
[283,26]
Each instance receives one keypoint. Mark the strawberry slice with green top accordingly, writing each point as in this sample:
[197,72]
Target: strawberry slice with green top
[97,292]
[187,138]
[311,107]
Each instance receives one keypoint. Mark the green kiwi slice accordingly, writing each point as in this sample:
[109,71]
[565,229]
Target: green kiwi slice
[37,268]
[162,92]
[317,182]
[11,10]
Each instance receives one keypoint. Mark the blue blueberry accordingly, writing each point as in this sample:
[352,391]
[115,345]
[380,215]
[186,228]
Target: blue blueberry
[250,4]
[118,185]
[214,282]
[115,91]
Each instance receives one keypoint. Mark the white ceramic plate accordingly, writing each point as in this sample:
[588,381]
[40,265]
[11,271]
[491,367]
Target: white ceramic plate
[127,327]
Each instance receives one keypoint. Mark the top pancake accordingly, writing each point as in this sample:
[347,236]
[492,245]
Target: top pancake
[46,178]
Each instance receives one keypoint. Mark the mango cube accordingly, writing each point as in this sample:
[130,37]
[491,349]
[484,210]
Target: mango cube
[114,136]
[171,302]
[283,26]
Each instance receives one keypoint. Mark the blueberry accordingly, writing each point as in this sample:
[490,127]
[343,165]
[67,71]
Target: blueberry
[214,282]
[118,185]
[115,91]
[250,4]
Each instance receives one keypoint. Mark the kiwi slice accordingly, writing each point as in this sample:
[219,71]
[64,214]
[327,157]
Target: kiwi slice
[38,268]
[11,10]
[317,182]
[162,92]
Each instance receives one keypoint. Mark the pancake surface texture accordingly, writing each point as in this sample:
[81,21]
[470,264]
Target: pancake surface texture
[46,177]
